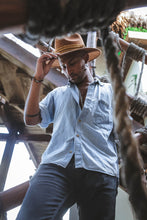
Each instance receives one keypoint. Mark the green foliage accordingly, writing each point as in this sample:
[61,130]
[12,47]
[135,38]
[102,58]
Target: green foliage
[119,53]
[138,29]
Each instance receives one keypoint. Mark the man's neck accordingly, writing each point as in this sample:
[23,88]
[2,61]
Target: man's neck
[86,81]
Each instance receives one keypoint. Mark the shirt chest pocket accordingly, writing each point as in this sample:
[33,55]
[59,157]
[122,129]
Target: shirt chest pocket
[102,113]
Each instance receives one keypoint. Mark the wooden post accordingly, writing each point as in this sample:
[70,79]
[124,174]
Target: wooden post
[6,159]
[91,42]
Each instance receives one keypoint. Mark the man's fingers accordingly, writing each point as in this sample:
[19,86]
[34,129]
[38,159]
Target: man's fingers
[47,57]
[50,61]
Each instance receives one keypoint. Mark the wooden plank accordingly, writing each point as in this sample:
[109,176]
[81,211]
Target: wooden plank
[18,55]
[138,38]
[27,137]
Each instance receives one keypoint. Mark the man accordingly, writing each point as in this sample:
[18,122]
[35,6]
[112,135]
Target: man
[80,165]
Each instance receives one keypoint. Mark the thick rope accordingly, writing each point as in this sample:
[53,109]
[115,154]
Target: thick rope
[132,161]
[52,18]
[128,19]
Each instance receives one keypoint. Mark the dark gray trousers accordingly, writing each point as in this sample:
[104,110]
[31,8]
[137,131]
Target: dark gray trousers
[54,189]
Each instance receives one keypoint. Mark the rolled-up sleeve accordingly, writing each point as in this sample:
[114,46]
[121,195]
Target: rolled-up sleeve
[47,110]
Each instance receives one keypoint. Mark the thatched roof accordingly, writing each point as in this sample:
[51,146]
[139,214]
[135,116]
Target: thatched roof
[129,18]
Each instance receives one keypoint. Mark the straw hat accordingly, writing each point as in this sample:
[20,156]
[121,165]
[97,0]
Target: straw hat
[72,43]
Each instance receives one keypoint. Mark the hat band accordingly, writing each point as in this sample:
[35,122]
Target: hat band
[68,48]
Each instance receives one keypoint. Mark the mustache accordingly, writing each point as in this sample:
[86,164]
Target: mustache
[72,74]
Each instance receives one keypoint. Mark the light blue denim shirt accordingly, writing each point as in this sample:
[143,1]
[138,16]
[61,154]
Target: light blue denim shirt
[86,133]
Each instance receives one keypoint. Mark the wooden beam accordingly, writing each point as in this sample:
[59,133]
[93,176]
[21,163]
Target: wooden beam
[57,78]
[6,159]
[18,55]
[27,61]
[26,137]
[12,117]
[35,155]
[17,29]
[11,83]
[13,197]
[138,38]
[12,13]
[129,4]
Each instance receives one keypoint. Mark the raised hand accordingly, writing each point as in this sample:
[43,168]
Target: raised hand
[44,64]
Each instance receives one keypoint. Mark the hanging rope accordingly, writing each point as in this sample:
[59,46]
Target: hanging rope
[48,19]
[132,161]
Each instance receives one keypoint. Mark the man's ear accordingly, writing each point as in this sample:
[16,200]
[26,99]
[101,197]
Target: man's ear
[86,57]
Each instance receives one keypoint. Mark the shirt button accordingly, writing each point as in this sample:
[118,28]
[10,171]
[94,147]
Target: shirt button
[70,151]
[77,135]
[79,120]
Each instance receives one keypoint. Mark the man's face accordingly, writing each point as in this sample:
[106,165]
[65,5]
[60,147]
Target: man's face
[74,66]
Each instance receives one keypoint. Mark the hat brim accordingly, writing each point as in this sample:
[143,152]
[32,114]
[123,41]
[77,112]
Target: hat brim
[92,52]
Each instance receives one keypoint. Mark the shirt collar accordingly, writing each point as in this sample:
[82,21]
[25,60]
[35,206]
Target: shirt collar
[96,81]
